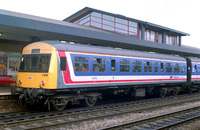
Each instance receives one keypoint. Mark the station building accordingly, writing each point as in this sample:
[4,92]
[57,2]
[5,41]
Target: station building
[87,26]
[125,26]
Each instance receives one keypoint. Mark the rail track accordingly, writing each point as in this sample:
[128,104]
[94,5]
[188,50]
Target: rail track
[8,103]
[70,118]
[160,122]
[8,97]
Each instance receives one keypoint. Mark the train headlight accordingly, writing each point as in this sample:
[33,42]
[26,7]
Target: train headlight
[20,81]
[43,83]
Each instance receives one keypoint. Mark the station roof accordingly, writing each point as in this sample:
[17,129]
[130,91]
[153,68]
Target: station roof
[148,25]
[23,28]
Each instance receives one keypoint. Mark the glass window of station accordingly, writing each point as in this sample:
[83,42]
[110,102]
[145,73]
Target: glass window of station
[123,27]
[155,36]
[109,23]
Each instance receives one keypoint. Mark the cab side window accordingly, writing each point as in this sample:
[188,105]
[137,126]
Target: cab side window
[63,63]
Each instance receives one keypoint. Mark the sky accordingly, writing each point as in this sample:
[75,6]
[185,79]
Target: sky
[181,15]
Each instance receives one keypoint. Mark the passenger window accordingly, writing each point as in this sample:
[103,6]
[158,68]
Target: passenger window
[124,65]
[155,67]
[176,68]
[147,66]
[81,64]
[168,67]
[113,65]
[99,65]
[63,63]
[137,66]
[182,68]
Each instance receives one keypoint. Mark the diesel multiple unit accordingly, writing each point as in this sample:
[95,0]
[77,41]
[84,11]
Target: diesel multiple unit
[56,73]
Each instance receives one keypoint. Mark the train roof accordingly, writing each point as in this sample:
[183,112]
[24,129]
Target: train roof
[106,50]
[194,59]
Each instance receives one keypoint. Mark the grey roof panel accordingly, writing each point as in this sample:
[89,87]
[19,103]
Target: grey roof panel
[105,50]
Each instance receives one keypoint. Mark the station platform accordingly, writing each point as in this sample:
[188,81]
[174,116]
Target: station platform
[5,90]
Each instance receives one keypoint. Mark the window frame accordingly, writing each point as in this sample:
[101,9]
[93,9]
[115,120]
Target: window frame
[27,59]
[148,66]
[182,67]
[176,68]
[113,65]
[63,64]
[123,64]
[137,66]
[156,66]
[169,67]
[81,64]
[99,65]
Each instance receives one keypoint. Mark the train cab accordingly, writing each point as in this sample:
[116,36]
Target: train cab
[38,68]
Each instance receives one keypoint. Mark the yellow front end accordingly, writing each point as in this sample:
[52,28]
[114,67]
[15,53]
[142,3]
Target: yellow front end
[39,69]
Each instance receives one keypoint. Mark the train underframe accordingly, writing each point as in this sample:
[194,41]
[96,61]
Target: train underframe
[58,99]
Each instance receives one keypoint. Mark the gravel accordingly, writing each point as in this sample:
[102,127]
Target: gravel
[100,123]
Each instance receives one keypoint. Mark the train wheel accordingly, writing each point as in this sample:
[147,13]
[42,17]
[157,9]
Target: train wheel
[59,104]
[58,107]
[90,101]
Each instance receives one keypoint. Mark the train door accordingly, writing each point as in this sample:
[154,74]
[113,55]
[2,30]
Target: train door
[113,67]
[161,70]
[189,70]
[64,69]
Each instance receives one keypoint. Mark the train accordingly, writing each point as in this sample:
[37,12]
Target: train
[55,73]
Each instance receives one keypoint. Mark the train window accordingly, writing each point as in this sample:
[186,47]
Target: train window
[161,67]
[176,68]
[44,62]
[155,67]
[113,65]
[182,68]
[124,65]
[168,67]
[147,66]
[81,64]
[99,65]
[195,68]
[35,63]
[63,63]
[137,66]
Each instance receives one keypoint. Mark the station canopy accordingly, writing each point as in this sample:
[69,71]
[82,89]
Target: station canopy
[21,28]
